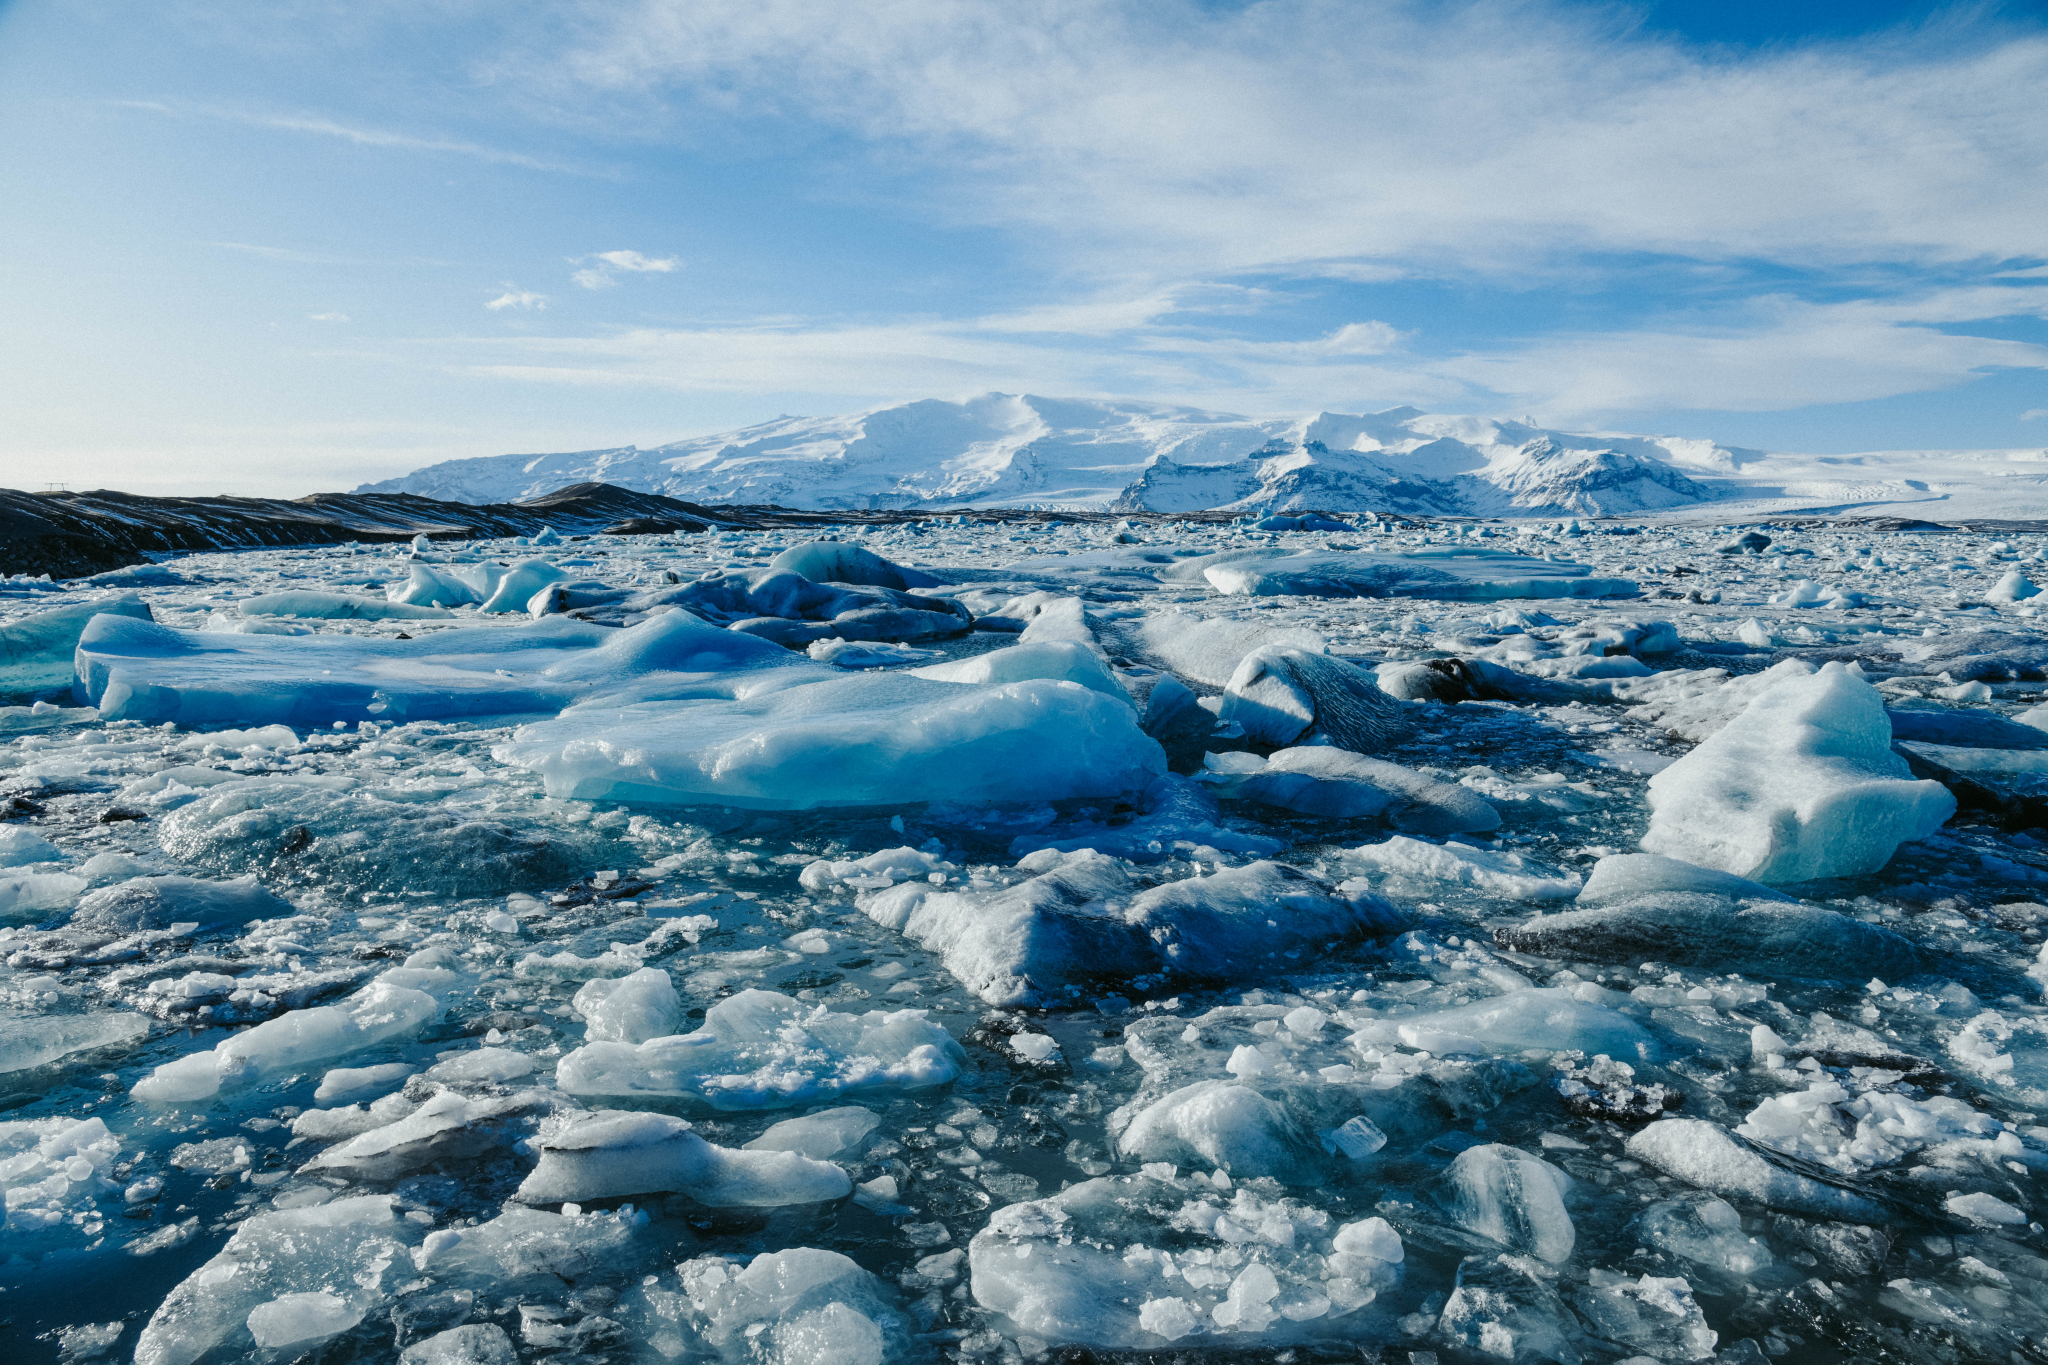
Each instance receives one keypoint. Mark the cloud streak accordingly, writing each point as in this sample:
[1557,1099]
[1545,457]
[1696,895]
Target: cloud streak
[318,126]
[1781,353]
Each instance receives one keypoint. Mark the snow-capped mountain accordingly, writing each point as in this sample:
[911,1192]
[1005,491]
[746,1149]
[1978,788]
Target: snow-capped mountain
[1010,449]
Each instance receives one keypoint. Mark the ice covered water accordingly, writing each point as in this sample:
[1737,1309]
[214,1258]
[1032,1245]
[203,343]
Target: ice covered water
[996,940]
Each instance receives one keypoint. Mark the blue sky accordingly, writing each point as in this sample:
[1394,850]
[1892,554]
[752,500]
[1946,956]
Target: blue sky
[294,246]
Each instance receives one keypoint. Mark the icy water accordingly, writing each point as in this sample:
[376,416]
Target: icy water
[1260,1059]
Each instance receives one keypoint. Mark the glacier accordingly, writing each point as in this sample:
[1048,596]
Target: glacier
[1310,930]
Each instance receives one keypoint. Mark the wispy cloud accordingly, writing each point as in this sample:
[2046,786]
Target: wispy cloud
[520,299]
[1780,353]
[2033,414]
[366,137]
[610,264]
[1405,135]
[328,317]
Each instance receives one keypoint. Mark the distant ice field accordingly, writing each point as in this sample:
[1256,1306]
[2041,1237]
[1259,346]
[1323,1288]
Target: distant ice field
[994,942]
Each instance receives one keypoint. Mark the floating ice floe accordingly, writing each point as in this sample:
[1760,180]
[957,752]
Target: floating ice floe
[381,1010]
[38,1042]
[1292,1093]
[601,1156]
[1458,574]
[1283,697]
[334,606]
[1403,866]
[1705,1154]
[1084,916]
[1802,784]
[760,1050]
[1141,1260]
[839,740]
[1648,907]
[1337,783]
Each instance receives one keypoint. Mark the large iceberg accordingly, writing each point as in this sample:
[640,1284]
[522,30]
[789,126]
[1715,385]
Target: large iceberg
[1802,784]
[36,651]
[840,740]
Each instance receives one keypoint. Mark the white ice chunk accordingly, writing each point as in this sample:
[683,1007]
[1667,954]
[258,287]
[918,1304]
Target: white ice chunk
[290,1319]
[1512,1197]
[1803,784]
[345,1083]
[630,1009]
[1329,781]
[1625,876]
[378,1012]
[40,1041]
[822,1135]
[1408,864]
[598,1156]
[282,1256]
[760,1050]
[1550,1018]
[1703,1153]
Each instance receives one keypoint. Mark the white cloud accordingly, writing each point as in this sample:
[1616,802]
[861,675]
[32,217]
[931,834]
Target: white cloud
[517,298]
[601,275]
[328,317]
[634,262]
[1397,135]
[2033,414]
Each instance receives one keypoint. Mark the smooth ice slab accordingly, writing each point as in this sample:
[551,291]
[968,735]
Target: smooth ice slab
[136,670]
[1328,781]
[1802,784]
[1757,935]
[1454,574]
[849,740]
[760,1050]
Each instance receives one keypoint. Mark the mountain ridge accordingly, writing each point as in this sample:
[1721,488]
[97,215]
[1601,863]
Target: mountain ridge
[998,449]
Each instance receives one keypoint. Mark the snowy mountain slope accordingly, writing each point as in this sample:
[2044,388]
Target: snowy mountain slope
[1007,449]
